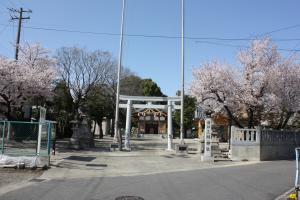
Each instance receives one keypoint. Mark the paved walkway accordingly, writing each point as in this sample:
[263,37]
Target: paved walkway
[148,156]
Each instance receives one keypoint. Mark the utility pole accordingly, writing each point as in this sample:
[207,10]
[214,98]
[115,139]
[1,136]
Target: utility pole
[20,18]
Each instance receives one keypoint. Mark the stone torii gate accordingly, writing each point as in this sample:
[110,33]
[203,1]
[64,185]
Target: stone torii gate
[148,103]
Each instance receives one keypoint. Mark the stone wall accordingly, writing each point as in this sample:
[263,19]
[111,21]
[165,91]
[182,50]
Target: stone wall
[245,144]
[256,144]
[278,145]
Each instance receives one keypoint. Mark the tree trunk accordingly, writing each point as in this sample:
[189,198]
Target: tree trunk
[280,122]
[8,113]
[229,132]
[250,118]
[112,131]
[289,115]
[232,118]
[101,131]
[94,128]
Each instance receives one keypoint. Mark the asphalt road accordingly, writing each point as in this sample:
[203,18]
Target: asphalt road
[260,181]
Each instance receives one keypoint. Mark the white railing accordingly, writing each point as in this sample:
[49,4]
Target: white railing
[244,135]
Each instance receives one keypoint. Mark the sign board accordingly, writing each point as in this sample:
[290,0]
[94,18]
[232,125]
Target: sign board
[207,134]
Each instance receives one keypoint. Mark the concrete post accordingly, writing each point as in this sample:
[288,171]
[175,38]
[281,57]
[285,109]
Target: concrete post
[258,134]
[232,134]
[8,131]
[128,125]
[170,126]
[41,123]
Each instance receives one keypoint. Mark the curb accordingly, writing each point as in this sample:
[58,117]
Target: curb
[284,195]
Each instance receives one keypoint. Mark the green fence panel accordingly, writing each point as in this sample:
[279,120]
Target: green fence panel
[21,138]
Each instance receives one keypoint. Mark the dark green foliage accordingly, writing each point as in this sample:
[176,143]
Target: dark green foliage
[131,85]
[188,113]
[150,88]
[62,98]
[135,86]
[99,104]
[60,109]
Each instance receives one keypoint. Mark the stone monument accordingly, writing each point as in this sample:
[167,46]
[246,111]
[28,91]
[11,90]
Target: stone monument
[82,137]
[207,141]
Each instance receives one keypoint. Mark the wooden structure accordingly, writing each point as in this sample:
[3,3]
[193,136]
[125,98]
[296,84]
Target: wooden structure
[151,121]
[221,126]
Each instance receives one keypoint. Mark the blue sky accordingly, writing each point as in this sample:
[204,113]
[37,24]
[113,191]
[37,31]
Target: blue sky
[156,58]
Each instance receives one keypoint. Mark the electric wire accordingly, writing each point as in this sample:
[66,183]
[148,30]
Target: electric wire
[151,36]
[199,39]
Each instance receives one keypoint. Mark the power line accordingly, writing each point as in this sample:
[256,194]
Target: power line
[151,36]
[278,30]
[200,39]
[242,46]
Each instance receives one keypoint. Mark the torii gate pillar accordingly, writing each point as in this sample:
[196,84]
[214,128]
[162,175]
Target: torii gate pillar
[128,125]
[170,126]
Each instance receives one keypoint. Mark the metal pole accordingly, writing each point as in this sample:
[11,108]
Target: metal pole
[297,168]
[3,133]
[170,126]
[118,81]
[182,72]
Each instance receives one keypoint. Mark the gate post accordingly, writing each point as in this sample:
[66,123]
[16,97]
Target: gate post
[41,123]
[128,125]
[170,128]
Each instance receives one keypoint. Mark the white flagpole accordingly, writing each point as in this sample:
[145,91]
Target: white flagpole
[117,133]
[182,72]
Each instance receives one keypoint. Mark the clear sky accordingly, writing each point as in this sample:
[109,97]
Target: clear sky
[155,57]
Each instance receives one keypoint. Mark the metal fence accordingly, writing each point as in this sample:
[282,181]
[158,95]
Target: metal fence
[26,138]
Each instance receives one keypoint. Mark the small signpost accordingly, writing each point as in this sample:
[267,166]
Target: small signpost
[207,141]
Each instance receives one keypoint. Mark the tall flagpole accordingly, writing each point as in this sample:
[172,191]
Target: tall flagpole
[182,72]
[117,133]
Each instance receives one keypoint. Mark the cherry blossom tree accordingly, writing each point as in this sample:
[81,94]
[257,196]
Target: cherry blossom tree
[283,101]
[257,62]
[215,86]
[264,87]
[29,77]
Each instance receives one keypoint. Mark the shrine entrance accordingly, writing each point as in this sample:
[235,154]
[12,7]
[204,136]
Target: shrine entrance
[151,128]
[151,121]
[152,113]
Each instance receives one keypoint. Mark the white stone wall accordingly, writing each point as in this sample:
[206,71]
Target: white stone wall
[256,144]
